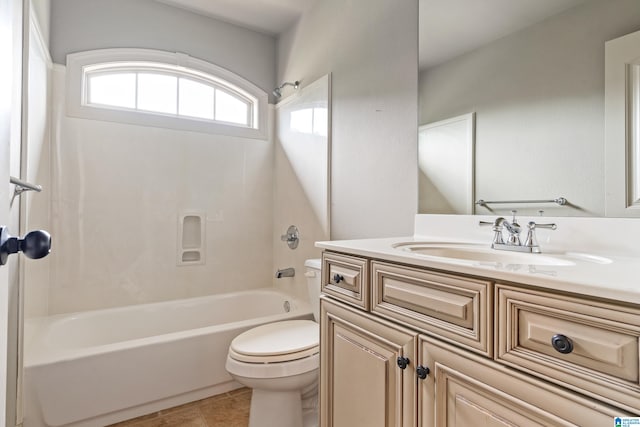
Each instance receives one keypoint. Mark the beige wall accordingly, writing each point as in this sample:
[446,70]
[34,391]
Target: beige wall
[539,101]
[370,49]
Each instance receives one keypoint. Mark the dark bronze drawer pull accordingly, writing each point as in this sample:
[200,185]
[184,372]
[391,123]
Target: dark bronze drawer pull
[338,278]
[562,343]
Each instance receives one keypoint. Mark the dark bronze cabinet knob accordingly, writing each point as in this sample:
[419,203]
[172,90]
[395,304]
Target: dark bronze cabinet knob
[562,343]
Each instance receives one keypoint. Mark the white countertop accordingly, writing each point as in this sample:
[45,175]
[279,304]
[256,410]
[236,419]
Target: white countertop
[617,277]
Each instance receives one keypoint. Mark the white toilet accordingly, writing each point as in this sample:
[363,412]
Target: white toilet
[280,362]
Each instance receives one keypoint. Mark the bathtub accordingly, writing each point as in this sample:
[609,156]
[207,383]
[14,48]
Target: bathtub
[100,367]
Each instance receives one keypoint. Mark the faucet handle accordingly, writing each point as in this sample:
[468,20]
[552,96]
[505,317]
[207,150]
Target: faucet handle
[513,216]
[551,226]
[497,230]
[531,241]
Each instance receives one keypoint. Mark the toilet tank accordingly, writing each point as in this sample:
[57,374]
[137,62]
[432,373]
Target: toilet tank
[312,273]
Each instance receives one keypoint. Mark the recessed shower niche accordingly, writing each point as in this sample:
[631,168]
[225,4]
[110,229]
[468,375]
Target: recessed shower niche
[191,238]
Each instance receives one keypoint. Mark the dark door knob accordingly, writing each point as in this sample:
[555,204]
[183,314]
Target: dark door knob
[35,244]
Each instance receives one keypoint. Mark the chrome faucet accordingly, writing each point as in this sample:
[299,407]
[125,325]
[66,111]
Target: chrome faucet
[513,240]
[286,272]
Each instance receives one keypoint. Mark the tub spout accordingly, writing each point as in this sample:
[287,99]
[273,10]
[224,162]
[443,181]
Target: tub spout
[287,272]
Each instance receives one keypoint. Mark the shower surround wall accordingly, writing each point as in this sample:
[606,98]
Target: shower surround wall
[117,190]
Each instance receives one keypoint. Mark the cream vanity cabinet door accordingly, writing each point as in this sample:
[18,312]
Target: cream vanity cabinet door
[361,383]
[463,389]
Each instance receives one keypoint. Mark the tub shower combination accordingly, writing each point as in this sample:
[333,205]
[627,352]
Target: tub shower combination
[99,367]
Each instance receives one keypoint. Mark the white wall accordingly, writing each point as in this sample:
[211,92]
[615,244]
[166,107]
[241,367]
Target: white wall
[79,25]
[301,181]
[41,10]
[539,101]
[119,189]
[118,192]
[370,49]
[36,164]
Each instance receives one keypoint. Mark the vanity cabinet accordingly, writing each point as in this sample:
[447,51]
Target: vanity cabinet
[586,345]
[346,278]
[464,389]
[360,382]
[454,308]
[439,349]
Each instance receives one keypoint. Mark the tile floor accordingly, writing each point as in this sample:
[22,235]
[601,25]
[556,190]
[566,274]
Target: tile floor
[224,410]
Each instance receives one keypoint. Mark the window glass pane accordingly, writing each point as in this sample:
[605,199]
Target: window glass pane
[118,90]
[165,89]
[157,92]
[231,109]
[196,99]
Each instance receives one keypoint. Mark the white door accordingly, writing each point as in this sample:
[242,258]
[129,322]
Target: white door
[10,124]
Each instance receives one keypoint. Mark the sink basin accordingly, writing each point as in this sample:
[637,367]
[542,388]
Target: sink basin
[480,254]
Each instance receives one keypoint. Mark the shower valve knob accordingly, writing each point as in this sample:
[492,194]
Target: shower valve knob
[35,244]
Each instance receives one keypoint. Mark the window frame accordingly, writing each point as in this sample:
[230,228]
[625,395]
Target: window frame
[80,64]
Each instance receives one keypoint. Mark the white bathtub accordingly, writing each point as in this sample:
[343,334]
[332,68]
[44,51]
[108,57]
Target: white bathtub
[99,367]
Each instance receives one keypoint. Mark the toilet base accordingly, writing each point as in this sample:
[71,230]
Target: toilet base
[284,408]
[269,408]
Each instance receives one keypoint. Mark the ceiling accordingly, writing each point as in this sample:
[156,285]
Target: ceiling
[267,16]
[448,28]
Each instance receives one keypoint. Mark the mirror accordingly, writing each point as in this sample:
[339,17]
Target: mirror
[445,163]
[622,125]
[532,73]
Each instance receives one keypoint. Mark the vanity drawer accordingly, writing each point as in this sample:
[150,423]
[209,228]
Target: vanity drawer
[346,278]
[597,344]
[454,308]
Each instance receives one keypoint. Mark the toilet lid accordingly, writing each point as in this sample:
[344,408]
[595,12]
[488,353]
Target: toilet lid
[276,342]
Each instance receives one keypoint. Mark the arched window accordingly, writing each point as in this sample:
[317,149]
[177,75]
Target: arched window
[163,89]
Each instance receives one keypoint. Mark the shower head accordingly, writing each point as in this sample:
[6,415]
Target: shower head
[277,92]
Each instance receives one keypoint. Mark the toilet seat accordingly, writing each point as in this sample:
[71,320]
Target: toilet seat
[276,342]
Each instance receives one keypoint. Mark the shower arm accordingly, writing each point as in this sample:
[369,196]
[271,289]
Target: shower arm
[295,84]
[277,91]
